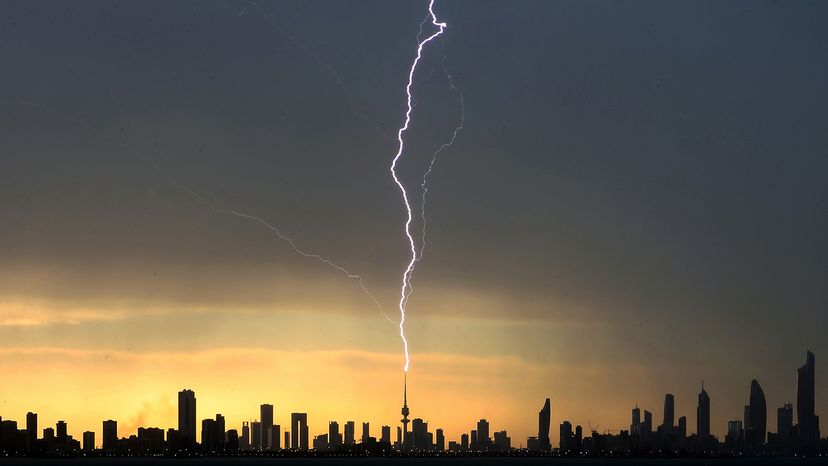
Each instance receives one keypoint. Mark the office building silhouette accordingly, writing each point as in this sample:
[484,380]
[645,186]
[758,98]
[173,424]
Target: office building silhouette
[266,425]
[808,422]
[187,419]
[756,420]
[299,426]
[544,419]
[110,435]
[349,433]
[88,441]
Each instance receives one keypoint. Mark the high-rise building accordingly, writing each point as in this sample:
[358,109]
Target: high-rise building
[256,432]
[566,439]
[440,443]
[221,430]
[366,432]
[544,417]
[502,442]
[785,434]
[299,426]
[334,437]
[287,439]
[579,438]
[757,423]
[386,435]
[244,441]
[808,422]
[635,425]
[31,431]
[483,439]
[681,433]
[187,418]
[232,440]
[62,435]
[110,435]
[647,426]
[88,441]
[208,435]
[349,433]
[734,440]
[320,443]
[266,420]
[703,415]
[276,438]
[669,412]
[419,434]
[784,419]
[464,441]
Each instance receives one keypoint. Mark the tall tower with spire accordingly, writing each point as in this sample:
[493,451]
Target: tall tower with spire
[404,412]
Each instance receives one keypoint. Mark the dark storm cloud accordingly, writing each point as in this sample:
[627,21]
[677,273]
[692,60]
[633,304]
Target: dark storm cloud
[646,160]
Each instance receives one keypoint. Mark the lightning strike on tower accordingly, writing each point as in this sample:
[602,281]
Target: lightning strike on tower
[406,278]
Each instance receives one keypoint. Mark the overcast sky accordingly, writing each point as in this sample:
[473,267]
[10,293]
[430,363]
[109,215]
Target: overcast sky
[637,201]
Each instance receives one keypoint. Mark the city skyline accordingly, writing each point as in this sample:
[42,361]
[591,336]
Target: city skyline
[749,435]
[635,204]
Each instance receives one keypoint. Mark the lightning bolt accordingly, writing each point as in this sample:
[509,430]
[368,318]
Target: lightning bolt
[409,268]
[207,203]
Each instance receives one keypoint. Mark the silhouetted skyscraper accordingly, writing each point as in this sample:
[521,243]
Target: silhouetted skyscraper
[735,435]
[220,429]
[299,426]
[31,431]
[349,432]
[266,419]
[386,435]
[232,440]
[483,439]
[579,437]
[758,422]
[88,441]
[647,426]
[110,435]
[334,437]
[276,438]
[566,437]
[187,418]
[208,435]
[61,430]
[244,441]
[502,442]
[669,412]
[785,434]
[635,424]
[256,433]
[808,422]
[419,435]
[784,419]
[366,432]
[544,417]
[440,443]
[703,419]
